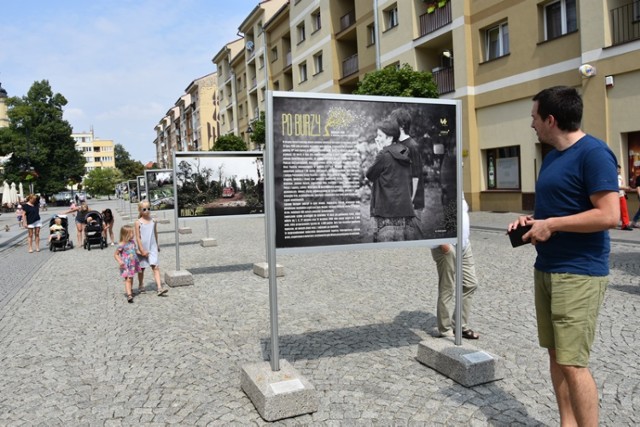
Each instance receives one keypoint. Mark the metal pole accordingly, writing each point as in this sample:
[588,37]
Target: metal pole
[270,206]
[206,222]
[459,226]
[376,31]
[175,212]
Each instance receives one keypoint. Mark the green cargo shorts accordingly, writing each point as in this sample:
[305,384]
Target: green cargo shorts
[567,307]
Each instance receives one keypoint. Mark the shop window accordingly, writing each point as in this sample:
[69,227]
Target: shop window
[503,168]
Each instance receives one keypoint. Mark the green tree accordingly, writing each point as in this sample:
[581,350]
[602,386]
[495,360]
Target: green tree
[403,81]
[102,181]
[229,142]
[130,168]
[259,131]
[44,152]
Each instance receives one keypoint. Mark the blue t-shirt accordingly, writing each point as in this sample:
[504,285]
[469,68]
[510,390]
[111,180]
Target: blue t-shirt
[567,179]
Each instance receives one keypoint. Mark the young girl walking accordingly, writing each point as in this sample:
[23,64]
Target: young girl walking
[147,242]
[126,256]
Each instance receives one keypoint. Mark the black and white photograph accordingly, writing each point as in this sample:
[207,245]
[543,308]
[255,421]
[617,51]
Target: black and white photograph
[360,169]
[133,191]
[219,183]
[142,188]
[160,188]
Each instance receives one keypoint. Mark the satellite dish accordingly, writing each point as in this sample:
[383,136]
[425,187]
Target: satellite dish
[250,46]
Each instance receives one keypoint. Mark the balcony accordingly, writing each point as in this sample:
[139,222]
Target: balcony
[444,79]
[347,20]
[625,23]
[350,65]
[430,22]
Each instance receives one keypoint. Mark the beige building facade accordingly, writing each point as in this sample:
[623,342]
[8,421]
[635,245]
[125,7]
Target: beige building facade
[98,153]
[492,55]
[191,124]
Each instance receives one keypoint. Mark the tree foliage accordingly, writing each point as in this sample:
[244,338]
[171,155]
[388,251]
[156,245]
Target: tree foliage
[40,139]
[229,142]
[102,181]
[402,81]
[130,168]
[259,131]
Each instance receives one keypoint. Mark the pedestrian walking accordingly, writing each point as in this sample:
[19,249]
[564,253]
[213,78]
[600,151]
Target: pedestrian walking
[146,233]
[445,258]
[31,220]
[127,259]
[622,196]
[19,215]
[576,203]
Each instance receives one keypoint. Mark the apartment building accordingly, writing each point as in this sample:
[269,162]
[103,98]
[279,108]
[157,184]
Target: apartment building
[191,124]
[4,117]
[492,55]
[98,153]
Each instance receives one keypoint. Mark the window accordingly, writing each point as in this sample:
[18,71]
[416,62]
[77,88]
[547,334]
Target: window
[497,41]
[261,62]
[302,69]
[391,17]
[274,54]
[560,18]
[316,20]
[317,62]
[371,35]
[301,33]
[636,10]
[503,168]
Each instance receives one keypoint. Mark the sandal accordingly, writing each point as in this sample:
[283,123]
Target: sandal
[470,335]
[161,292]
[142,290]
[129,299]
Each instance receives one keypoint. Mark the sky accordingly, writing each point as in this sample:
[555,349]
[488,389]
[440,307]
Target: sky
[121,64]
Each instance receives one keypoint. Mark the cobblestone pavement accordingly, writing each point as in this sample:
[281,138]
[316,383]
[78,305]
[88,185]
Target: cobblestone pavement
[73,352]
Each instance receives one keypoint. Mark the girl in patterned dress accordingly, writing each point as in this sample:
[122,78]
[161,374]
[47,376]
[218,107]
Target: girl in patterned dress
[127,258]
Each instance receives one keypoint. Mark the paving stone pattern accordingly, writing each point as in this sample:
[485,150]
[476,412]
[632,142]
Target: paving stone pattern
[73,352]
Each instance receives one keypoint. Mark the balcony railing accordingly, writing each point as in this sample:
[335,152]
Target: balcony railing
[350,65]
[444,80]
[430,22]
[625,23]
[347,20]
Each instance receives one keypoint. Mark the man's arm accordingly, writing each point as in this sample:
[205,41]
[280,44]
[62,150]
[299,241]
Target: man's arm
[603,216]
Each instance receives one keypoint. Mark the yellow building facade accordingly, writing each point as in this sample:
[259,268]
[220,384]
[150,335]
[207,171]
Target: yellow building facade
[492,55]
[98,153]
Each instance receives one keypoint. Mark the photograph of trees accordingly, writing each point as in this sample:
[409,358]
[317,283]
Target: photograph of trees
[219,183]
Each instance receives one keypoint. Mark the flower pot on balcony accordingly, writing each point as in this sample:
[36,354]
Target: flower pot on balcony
[442,3]
[431,7]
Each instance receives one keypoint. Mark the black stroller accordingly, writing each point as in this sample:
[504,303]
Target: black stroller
[94,225]
[63,242]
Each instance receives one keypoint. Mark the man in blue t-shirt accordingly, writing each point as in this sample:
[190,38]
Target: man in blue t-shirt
[576,203]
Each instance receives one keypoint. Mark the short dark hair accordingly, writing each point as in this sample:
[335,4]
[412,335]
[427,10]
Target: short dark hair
[563,103]
[390,128]
[403,118]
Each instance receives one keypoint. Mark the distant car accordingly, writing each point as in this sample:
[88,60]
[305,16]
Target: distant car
[228,192]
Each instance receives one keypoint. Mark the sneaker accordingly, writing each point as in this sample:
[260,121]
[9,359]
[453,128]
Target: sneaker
[628,228]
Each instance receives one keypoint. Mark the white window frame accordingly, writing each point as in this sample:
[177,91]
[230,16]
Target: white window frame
[316,20]
[564,19]
[503,34]
[303,72]
[318,63]
[371,34]
[392,19]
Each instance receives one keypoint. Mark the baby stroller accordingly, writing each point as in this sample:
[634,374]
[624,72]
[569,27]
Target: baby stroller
[94,225]
[64,242]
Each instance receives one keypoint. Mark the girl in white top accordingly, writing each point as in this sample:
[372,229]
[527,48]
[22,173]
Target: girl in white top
[147,243]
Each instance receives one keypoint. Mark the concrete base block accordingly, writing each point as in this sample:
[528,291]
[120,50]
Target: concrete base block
[208,242]
[175,278]
[163,221]
[262,269]
[184,230]
[465,364]
[280,394]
